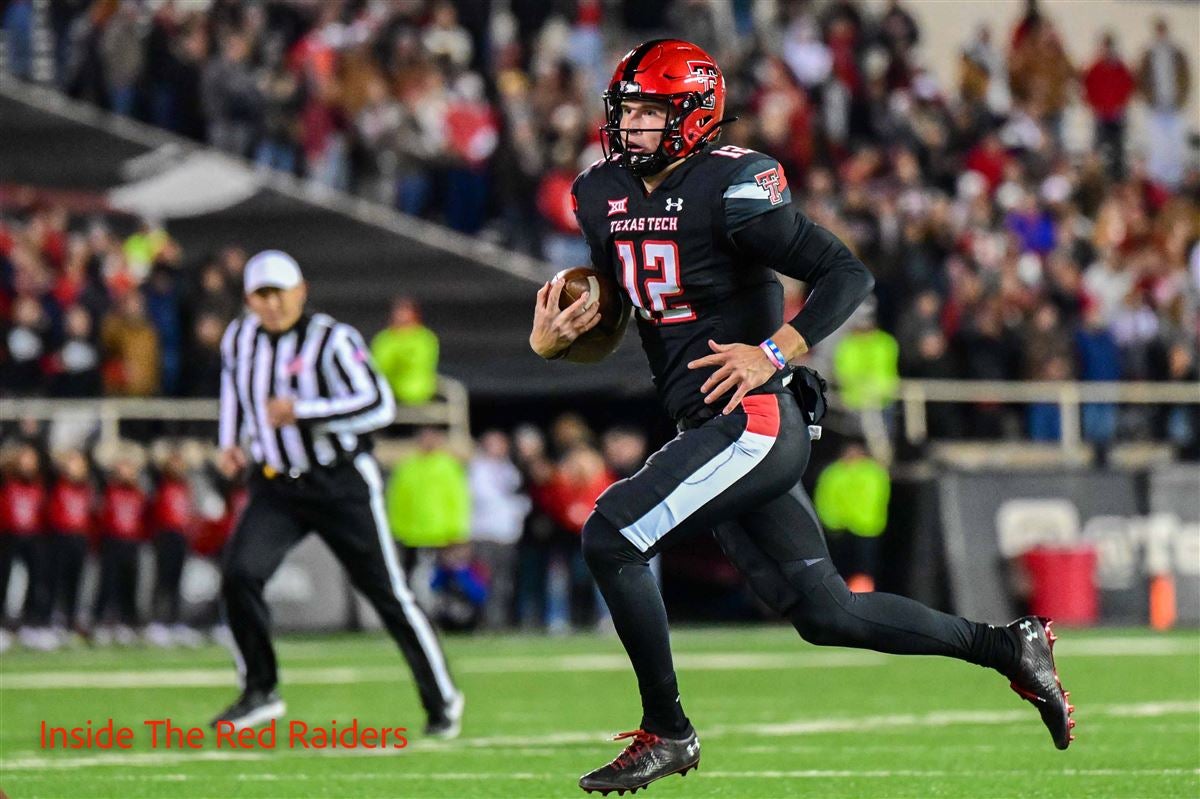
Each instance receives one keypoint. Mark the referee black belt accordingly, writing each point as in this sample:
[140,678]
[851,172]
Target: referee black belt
[271,473]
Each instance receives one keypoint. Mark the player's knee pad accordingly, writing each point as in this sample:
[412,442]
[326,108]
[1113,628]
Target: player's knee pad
[604,547]
[821,616]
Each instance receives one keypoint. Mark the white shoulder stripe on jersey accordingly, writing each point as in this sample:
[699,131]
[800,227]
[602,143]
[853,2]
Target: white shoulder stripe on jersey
[746,191]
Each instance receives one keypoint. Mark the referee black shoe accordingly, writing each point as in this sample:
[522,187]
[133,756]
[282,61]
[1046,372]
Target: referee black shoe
[447,724]
[1036,678]
[251,709]
[648,758]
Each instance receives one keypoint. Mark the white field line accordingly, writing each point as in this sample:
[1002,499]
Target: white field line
[34,761]
[1104,646]
[1119,647]
[527,664]
[336,675]
[886,773]
[467,776]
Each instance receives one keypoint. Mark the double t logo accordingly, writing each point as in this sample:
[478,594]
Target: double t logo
[772,182]
[705,74]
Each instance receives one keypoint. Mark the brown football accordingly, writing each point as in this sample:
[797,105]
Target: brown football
[601,340]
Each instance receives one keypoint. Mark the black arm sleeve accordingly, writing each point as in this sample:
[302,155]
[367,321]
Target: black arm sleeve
[791,244]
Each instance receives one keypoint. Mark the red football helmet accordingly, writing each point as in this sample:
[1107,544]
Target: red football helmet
[683,76]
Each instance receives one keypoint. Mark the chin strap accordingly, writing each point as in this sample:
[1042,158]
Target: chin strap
[720,124]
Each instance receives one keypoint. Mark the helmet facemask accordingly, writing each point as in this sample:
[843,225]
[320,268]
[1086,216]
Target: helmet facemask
[615,138]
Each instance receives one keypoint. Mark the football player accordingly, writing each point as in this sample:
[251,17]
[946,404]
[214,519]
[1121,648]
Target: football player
[691,231]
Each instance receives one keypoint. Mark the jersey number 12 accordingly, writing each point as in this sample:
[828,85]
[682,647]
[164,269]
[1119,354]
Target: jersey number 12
[656,281]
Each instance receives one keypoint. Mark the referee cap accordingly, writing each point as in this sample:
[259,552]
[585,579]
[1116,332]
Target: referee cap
[272,269]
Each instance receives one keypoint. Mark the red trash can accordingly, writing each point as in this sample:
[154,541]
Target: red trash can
[1063,584]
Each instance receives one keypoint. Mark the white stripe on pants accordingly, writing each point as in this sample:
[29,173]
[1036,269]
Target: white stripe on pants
[412,612]
[719,473]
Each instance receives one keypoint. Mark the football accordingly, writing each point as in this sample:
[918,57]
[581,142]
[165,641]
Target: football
[601,340]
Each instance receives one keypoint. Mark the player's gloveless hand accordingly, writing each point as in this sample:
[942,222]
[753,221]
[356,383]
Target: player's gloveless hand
[741,368]
[231,461]
[555,330]
[281,411]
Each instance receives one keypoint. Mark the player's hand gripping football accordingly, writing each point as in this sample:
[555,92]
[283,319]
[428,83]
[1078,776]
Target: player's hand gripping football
[554,330]
[741,368]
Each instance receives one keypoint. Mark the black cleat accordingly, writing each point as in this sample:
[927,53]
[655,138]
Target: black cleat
[1036,678]
[647,759]
[251,709]
[447,724]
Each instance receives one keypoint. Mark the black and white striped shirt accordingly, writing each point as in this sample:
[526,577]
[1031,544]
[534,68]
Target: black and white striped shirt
[324,365]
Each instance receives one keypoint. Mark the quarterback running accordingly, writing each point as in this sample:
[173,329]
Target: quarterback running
[693,233]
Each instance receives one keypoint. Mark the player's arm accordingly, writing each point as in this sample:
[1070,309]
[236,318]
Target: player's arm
[795,246]
[229,425]
[761,223]
[367,404]
[555,330]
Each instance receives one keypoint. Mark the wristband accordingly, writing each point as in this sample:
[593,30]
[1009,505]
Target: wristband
[774,354]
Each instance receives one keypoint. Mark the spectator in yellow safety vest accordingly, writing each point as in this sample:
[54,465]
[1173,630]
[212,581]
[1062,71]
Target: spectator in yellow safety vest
[851,499]
[406,353]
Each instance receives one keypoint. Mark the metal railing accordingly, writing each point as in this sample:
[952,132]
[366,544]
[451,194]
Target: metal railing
[915,395]
[449,408]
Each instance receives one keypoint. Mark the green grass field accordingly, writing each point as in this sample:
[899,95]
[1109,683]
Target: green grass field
[776,717]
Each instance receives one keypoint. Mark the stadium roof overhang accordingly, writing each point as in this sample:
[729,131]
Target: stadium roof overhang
[357,255]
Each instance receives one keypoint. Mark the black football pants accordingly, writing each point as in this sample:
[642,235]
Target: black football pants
[119,569]
[344,505]
[739,476]
[34,552]
[70,553]
[170,554]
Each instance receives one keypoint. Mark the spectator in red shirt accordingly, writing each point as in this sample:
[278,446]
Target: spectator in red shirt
[172,525]
[23,536]
[122,529]
[72,522]
[1108,86]
[579,480]
[472,134]
[989,158]
[564,244]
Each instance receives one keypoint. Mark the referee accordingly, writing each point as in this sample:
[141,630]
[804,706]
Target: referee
[299,398]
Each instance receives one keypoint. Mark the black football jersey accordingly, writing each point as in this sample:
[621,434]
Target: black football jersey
[673,254]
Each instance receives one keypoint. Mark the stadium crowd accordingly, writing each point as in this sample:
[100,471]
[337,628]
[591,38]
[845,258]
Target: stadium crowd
[1007,241]
[490,537]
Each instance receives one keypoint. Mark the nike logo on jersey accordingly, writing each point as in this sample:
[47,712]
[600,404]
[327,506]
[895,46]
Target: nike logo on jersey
[620,206]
